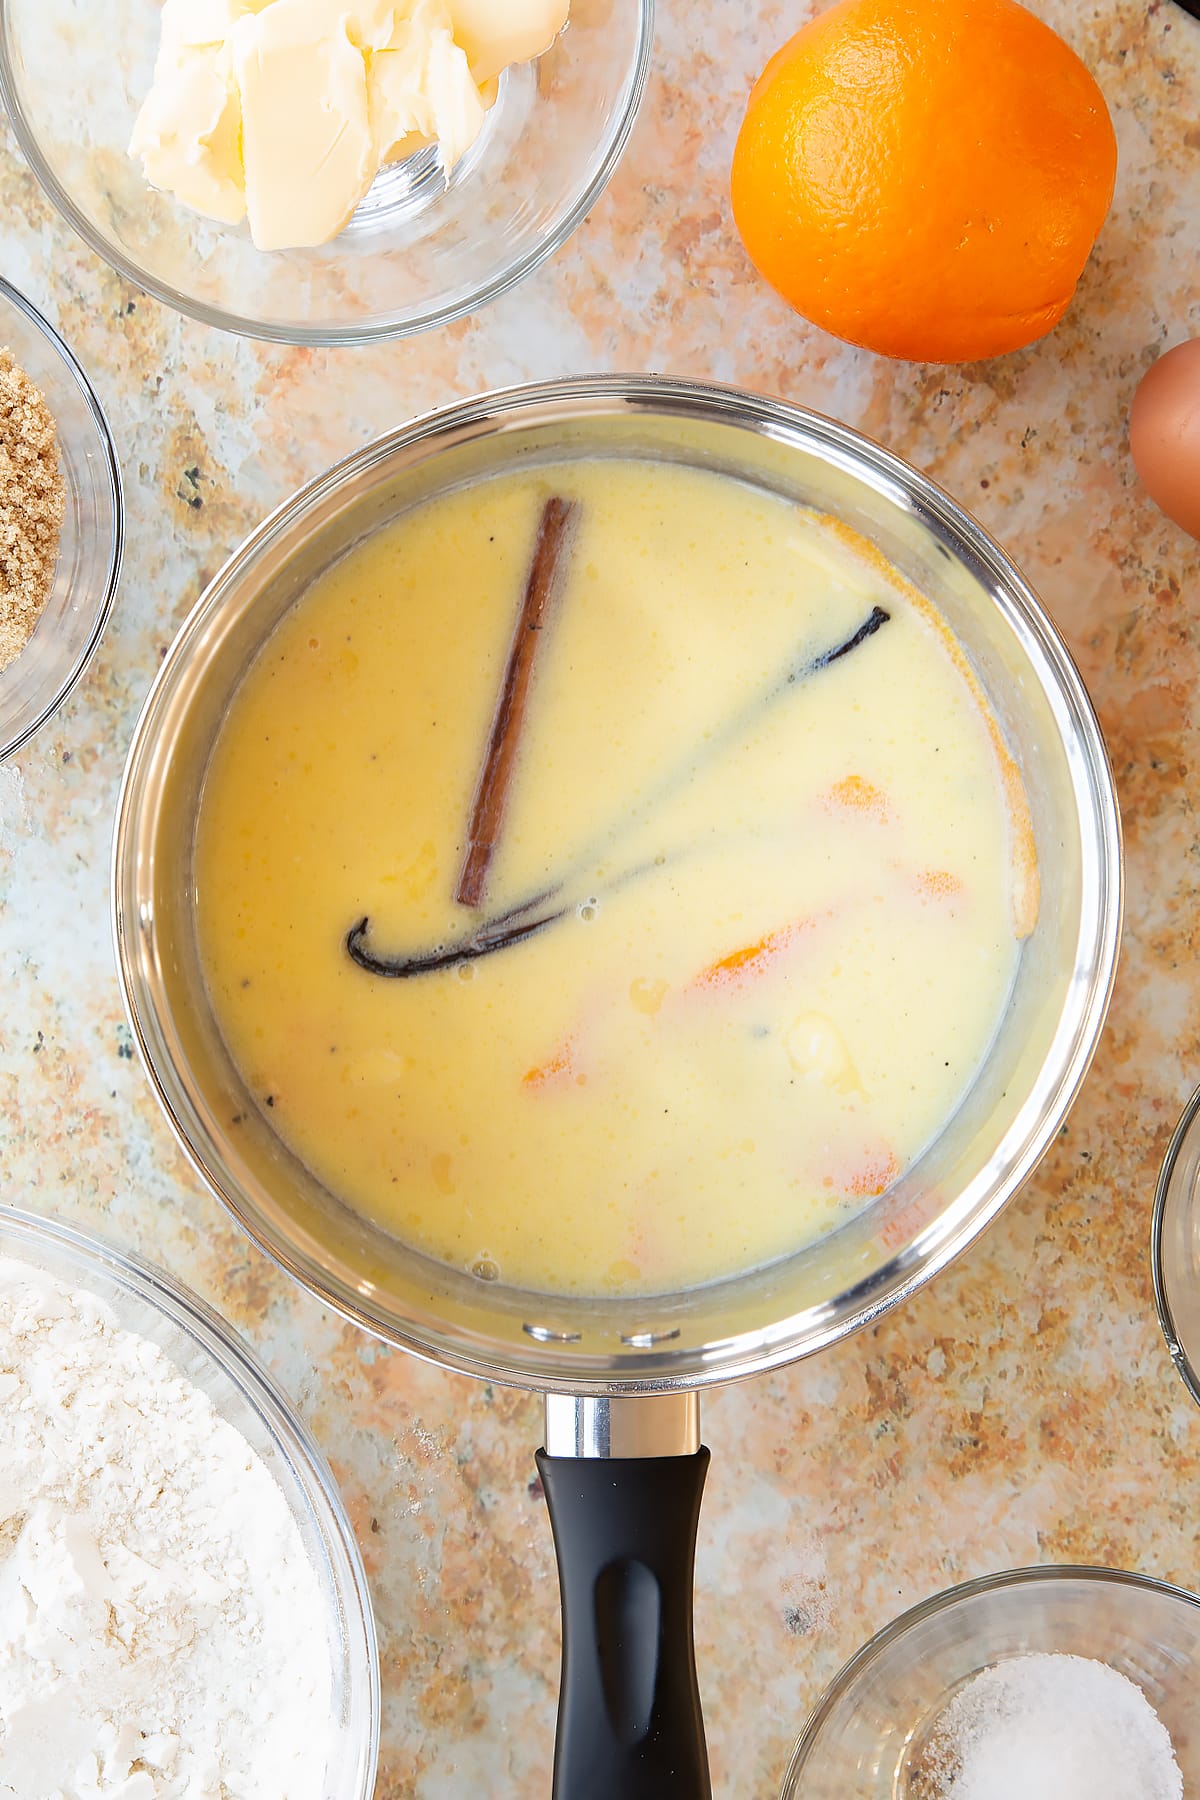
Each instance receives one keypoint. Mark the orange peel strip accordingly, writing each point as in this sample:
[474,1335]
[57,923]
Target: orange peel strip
[752,959]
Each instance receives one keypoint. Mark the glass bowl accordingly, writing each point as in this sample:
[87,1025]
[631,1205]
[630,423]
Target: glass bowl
[207,1353]
[89,552]
[865,1738]
[758,1318]
[418,252]
[1175,1247]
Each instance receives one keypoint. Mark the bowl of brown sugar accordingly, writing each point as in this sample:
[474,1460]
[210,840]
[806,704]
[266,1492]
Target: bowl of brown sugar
[61,520]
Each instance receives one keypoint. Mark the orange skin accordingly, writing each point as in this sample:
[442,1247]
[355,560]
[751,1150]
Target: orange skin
[925,178]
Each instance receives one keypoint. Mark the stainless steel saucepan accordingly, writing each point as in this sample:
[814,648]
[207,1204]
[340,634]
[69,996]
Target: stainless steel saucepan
[622,1462]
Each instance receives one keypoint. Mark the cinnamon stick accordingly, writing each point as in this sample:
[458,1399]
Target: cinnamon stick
[499,763]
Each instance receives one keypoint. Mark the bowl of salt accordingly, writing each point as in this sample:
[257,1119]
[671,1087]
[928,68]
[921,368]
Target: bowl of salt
[1053,1683]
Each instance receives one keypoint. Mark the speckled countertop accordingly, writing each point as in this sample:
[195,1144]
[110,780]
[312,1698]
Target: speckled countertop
[1023,1408]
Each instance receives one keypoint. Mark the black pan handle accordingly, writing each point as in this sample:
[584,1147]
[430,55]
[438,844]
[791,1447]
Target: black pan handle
[630,1725]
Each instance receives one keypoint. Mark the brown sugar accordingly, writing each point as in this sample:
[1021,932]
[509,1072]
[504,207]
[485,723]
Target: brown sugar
[32,503]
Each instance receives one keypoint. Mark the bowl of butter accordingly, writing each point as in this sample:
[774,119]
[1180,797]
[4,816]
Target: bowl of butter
[322,171]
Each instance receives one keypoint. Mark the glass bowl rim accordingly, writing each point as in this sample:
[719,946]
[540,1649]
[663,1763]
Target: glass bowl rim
[1036,1575]
[238,1364]
[1188,1374]
[108,450]
[357,332]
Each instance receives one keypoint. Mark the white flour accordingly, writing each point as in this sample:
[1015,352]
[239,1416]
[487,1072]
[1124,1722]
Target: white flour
[162,1632]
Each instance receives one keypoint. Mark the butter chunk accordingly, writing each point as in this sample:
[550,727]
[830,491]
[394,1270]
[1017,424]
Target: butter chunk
[195,24]
[817,1049]
[306,135]
[285,110]
[421,88]
[494,33]
[458,108]
[188,134]
[402,119]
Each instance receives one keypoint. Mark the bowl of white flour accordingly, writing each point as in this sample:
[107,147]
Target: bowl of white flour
[183,1609]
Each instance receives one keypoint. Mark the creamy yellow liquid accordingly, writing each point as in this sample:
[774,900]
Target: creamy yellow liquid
[793,910]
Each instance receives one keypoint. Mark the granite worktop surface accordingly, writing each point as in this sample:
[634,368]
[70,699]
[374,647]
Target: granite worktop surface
[1022,1408]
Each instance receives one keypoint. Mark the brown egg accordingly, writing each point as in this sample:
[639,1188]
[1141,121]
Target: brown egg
[1164,434]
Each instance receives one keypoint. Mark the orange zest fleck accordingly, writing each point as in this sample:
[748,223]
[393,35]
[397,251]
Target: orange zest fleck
[904,1225]
[856,794]
[556,1071]
[938,884]
[873,1175]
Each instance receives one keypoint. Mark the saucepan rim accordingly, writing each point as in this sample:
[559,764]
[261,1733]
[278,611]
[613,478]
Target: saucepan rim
[1168,1192]
[547,1361]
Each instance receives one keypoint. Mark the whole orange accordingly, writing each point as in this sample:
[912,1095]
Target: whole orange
[925,177]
